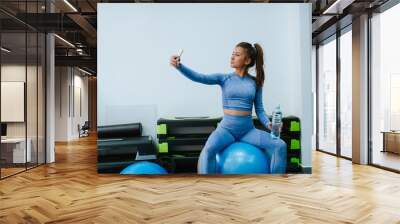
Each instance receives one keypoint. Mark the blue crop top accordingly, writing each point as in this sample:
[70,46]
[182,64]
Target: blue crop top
[238,93]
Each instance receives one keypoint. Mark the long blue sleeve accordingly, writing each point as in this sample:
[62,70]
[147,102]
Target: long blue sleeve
[237,91]
[259,108]
[211,79]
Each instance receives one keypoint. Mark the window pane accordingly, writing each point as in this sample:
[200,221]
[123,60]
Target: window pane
[31,101]
[14,153]
[385,88]
[346,94]
[327,97]
[41,98]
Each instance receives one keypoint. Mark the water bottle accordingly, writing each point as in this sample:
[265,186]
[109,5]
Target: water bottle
[276,123]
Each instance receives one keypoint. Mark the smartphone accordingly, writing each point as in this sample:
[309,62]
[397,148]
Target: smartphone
[180,53]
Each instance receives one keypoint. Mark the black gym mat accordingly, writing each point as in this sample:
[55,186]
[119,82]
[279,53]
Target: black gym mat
[119,131]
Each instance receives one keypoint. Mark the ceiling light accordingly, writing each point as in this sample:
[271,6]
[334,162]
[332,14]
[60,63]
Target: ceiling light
[84,71]
[5,50]
[334,8]
[64,40]
[70,5]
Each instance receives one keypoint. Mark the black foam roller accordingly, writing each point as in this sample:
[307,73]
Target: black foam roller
[119,131]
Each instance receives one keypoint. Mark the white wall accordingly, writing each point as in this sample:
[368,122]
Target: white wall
[67,85]
[61,103]
[135,41]
[79,117]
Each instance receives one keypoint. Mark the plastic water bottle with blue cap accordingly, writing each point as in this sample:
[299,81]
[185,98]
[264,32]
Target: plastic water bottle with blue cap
[276,123]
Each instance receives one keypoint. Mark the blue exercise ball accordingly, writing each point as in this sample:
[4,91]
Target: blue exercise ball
[144,167]
[242,158]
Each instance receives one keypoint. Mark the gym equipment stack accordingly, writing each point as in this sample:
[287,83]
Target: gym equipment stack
[121,145]
[180,141]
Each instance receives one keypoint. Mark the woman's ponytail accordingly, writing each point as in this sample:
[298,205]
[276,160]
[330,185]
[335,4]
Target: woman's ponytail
[259,65]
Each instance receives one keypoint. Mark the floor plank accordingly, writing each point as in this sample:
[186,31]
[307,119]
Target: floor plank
[71,191]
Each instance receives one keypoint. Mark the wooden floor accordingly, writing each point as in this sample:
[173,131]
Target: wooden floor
[5,172]
[10,171]
[70,191]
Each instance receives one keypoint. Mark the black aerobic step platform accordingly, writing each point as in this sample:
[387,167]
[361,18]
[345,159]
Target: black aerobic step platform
[186,126]
[293,162]
[179,164]
[293,144]
[126,146]
[113,167]
[173,145]
[119,131]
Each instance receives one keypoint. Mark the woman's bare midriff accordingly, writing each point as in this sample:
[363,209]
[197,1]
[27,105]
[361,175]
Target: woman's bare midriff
[236,112]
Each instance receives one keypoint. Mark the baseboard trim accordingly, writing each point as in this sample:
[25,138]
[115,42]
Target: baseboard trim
[306,170]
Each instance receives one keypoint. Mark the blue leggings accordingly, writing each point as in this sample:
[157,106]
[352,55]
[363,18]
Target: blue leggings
[241,128]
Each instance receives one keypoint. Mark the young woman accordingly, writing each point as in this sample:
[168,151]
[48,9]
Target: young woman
[239,90]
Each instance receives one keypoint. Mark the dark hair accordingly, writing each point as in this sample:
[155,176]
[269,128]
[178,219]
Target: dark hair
[256,56]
